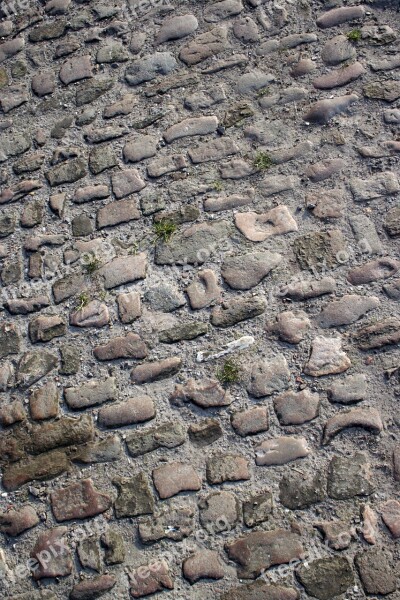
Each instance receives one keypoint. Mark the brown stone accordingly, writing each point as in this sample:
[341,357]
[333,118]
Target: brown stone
[44,402]
[367,418]
[382,268]
[175,477]
[383,333]
[327,357]
[296,408]
[376,570]
[42,467]
[281,450]
[259,227]
[157,370]
[94,314]
[250,421]
[89,589]
[227,467]
[15,522]
[290,326]
[219,512]
[79,501]
[56,563]
[149,579]
[390,512]
[204,290]
[337,535]
[203,564]
[206,393]
[129,307]
[260,550]
[134,410]
[129,346]
[11,413]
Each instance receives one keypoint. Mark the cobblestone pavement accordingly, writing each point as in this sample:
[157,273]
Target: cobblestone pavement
[200,285]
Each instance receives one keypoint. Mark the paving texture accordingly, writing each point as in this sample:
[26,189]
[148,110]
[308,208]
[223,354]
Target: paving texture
[200,285]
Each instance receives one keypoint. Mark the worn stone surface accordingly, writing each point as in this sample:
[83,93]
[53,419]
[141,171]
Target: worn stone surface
[262,549]
[299,491]
[349,477]
[281,450]
[269,376]
[199,235]
[326,578]
[78,501]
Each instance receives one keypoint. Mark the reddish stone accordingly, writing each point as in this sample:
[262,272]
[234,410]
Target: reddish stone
[175,477]
[204,564]
[79,501]
[149,579]
[390,512]
[92,588]
[260,550]
[53,557]
[14,522]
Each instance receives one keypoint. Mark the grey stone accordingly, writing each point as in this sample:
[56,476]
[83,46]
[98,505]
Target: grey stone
[347,310]
[150,67]
[243,272]
[176,28]
[349,477]
[67,172]
[204,46]
[352,388]
[337,50]
[33,366]
[269,376]
[381,184]
[91,90]
[326,578]
[134,496]
[168,435]
[194,245]
[300,490]
[173,522]
[91,394]
[164,298]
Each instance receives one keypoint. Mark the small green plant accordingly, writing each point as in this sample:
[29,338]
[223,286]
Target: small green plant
[164,230]
[83,300]
[262,92]
[262,161]
[354,35]
[228,373]
[217,185]
[92,265]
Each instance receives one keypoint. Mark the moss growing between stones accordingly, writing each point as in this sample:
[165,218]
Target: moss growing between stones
[354,35]
[262,161]
[228,373]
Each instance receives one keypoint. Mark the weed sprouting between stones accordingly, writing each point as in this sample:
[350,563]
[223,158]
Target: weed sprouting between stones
[164,230]
[228,373]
